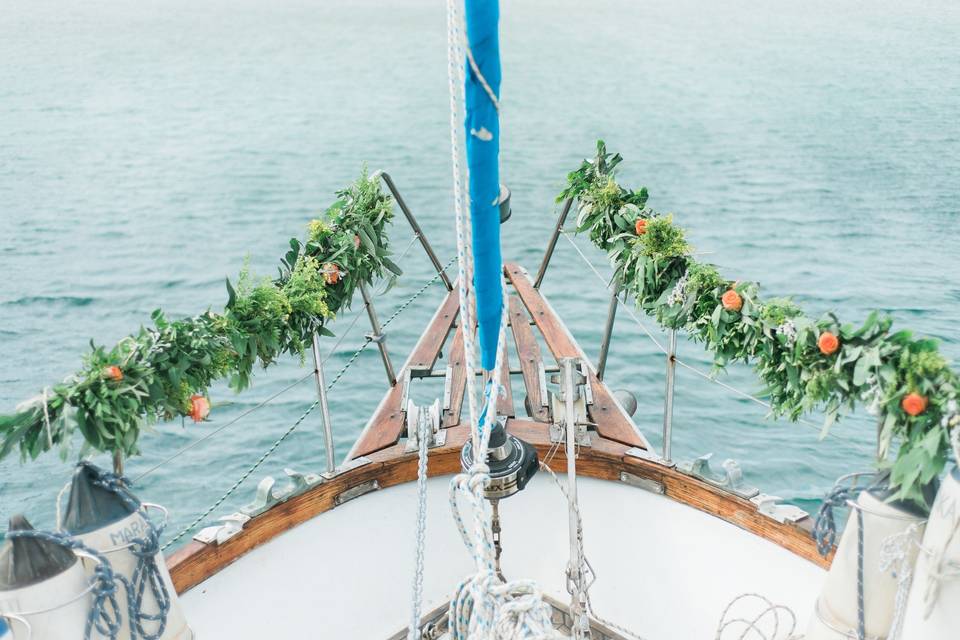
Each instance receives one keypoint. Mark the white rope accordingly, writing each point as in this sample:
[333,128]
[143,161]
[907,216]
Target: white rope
[424,433]
[752,626]
[939,569]
[455,77]
[896,557]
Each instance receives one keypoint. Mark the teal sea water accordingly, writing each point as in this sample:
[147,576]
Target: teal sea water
[146,148]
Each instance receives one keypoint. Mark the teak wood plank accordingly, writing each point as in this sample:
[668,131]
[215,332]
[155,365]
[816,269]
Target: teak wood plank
[529,353]
[458,380]
[558,340]
[425,354]
[612,422]
[386,424]
[505,401]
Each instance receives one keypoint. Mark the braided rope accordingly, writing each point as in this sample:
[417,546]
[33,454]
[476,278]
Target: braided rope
[146,573]
[895,557]
[825,533]
[424,431]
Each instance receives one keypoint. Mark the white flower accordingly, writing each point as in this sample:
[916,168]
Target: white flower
[788,329]
[679,293]
[951,417]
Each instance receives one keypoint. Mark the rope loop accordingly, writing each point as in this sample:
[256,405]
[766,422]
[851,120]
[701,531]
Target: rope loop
[844,490]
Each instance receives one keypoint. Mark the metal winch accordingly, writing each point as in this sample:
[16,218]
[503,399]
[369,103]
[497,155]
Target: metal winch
[512,462]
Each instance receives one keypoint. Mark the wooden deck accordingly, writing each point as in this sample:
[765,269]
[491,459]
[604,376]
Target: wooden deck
[528,310]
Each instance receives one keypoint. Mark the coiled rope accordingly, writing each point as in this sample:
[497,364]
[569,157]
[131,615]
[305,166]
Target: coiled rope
[755,623]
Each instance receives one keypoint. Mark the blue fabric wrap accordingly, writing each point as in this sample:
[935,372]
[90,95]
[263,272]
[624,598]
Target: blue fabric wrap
[482,122]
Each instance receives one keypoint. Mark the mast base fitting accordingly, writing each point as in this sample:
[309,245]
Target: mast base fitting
[512,462]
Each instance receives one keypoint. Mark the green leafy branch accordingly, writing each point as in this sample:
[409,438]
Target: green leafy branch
[165,370]
[804,364]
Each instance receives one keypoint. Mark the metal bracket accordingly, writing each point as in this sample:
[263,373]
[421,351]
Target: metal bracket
[447,387]
[349,465]
[218,534]
[582,396]
[767,506]
[542,379]
[405,394]
[431,415]
[642,483]
[376,338]
[557,434]
[355,492]
[731,480]
[649,456]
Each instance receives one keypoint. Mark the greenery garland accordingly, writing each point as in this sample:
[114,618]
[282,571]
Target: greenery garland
[166,370]
[805,364]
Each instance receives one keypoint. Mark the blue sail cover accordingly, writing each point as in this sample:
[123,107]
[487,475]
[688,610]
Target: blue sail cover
[483,151]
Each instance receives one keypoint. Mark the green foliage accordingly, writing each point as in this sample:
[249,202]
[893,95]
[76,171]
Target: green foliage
[606,209]
[663,239]
[153,374]
[257,314]
[871,366]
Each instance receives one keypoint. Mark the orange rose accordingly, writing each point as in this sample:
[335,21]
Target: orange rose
[641,226]
[331,273]
[113,372]
[914,404]
[732,301]
[828,343]
[199,407]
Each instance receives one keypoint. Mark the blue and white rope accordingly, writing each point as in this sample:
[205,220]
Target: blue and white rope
[483,607]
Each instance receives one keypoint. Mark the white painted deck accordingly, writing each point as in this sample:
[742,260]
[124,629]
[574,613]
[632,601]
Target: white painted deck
[664,570]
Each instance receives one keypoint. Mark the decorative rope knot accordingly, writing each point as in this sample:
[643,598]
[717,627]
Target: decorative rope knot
[479,468]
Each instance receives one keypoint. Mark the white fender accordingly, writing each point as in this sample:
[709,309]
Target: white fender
[835,616]
[113,541]
[64,599]
[933,610]
[44,592]
[106,517]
